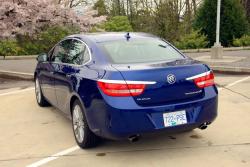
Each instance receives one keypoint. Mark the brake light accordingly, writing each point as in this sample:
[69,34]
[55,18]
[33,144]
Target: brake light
[121,89]
[205,81]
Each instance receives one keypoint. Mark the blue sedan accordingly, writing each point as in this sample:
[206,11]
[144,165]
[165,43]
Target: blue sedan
[122,85]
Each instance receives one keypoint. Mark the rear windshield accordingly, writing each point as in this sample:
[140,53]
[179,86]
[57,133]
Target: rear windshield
[140,51]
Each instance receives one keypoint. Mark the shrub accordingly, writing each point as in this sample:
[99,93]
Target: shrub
[194,40]
[243,41]
[48,38]
[28,44]
[45,40]
[118,23]
[9,48]
[31,45]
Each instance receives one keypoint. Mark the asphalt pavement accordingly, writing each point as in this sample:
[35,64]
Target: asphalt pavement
[23,66]
[35,136]
[6,83]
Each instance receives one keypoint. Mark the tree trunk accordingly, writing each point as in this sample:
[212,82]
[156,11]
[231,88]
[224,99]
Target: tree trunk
[194,6]
[71,3]
[188,16]
[248,9]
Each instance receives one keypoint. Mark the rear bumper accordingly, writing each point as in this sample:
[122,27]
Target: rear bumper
[119,123]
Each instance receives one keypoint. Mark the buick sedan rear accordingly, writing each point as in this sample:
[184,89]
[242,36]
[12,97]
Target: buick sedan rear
[123,85]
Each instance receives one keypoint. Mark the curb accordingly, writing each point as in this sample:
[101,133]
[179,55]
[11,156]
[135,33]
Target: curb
[195,50]
[16,75]
[209,49]
[18,57]
[228,70]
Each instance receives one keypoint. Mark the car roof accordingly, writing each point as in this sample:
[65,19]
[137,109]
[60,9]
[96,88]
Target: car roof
[112,36]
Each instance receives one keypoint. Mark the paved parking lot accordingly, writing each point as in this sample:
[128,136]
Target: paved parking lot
[35,136]
[8,84]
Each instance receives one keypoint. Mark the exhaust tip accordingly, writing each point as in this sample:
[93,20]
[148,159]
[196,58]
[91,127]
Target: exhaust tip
[204,126]
[134,138]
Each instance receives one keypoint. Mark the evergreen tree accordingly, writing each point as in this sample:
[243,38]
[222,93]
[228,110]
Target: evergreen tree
[233,21]
[100,7]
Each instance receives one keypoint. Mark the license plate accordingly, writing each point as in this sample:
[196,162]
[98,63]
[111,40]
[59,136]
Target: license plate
[175,118]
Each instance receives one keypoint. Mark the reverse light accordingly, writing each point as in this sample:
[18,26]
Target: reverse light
[203,80]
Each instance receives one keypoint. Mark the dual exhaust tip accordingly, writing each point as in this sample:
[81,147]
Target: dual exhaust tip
[135,138]
[204,125]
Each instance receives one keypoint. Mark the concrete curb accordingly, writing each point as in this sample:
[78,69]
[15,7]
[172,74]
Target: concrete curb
[16,75]
[225,69]
[208,49]
[18,57]
[195,50]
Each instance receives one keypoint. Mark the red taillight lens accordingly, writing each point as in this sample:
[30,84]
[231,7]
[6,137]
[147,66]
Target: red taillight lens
[117,89]
[205,81]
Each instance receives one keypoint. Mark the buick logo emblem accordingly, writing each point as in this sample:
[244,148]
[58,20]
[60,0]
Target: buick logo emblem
[171,79]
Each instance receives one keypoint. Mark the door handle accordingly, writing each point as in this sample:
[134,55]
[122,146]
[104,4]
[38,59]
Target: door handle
[51,72]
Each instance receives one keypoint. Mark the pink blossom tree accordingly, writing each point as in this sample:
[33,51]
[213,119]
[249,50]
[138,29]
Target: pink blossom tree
[30,16]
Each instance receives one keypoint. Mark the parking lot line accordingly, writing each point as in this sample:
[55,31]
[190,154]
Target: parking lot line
[235,82]
[54,157]
[17,91]
[74,148]
[238,81]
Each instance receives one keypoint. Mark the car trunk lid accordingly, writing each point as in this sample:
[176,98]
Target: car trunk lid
[170,81]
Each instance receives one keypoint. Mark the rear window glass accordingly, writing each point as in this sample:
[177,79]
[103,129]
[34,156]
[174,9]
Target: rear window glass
[140,51]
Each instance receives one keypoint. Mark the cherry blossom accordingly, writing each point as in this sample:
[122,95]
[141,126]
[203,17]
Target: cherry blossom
[30,16]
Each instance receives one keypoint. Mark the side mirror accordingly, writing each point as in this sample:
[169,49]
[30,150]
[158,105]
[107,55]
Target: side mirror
[42,57]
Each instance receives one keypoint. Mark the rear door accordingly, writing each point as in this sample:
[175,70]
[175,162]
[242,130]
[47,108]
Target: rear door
[65,79]
[48,80]
[170,85]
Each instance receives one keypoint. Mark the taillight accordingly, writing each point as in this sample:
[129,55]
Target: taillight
[205,80]
[121,89]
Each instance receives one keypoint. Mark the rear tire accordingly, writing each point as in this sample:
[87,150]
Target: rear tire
[41,101]
[84,137]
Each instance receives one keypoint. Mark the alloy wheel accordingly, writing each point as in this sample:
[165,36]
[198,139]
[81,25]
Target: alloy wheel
[78,123]
[38,91]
